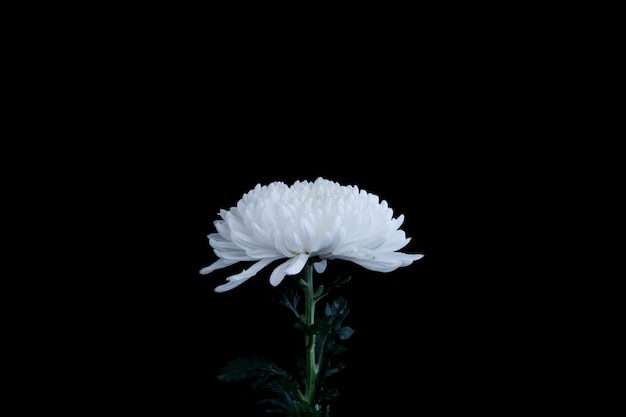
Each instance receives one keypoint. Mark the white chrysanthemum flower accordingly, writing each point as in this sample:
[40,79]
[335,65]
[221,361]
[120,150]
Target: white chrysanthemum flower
[315,221]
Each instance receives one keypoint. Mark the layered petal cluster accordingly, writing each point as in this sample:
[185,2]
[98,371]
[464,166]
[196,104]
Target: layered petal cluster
[318,221]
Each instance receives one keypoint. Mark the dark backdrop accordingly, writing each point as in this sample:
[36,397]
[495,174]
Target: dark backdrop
[145,124]
[423,334]
[172,141]
[152,334]
[417,329]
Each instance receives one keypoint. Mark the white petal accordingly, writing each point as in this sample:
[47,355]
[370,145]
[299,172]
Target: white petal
[279,244]
[250,272]
[408,259]
[223,245]
[294,243]
[308,231]
[291,267]
[243,276]
[261,253]
[262,235]
[236,256]
[320,266]
[322,244]
[229,285]
[220,263]
[244,240]
[381,262]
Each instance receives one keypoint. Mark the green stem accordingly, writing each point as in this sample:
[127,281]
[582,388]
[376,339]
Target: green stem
[312,367]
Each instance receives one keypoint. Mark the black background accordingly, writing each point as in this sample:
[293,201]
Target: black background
[393,314]
[423,333]
[133,128]
[169,136]
[159,333]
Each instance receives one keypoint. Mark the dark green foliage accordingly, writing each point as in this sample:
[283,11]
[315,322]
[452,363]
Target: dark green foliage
[307,410]
[289,298]
[286,391]
[264,373]
[245,368]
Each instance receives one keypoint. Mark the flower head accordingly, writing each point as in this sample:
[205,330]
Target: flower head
[307,221]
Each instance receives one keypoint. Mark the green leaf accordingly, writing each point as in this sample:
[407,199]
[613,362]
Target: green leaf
[328,394]
[290,299]
[303,409]
[338,282]
[345,332]
[284,391]
[265,374]
[321,328]
[302,327]
[333,348]
[246,368]
[319,292]
[330,371]
[338,307]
